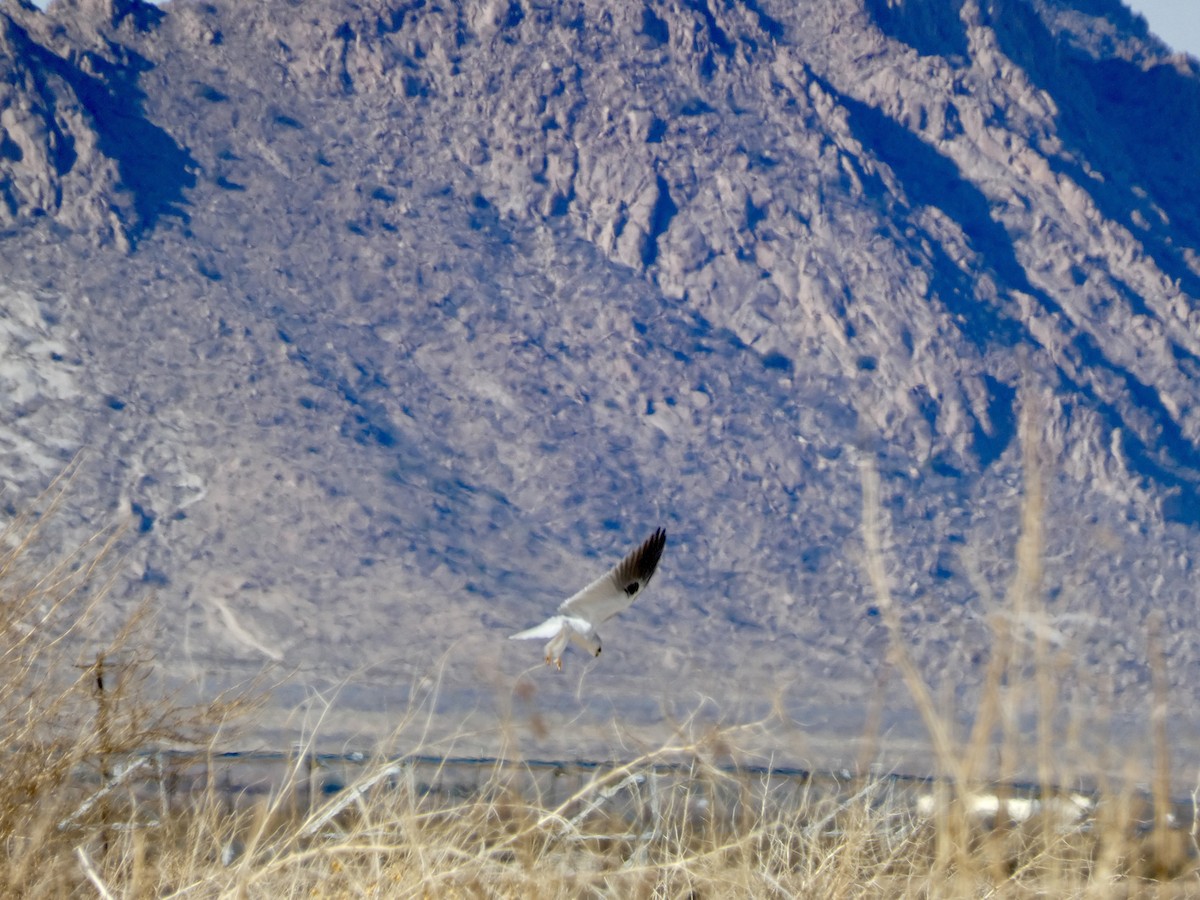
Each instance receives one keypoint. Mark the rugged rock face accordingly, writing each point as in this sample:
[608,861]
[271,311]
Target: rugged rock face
[388,323]
[51,163]
[75,146]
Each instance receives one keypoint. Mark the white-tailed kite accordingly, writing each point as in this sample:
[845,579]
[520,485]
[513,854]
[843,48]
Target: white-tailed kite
[598,602]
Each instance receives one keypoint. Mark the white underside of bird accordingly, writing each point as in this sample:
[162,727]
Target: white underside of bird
[598,602]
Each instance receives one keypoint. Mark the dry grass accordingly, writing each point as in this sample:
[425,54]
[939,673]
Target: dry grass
[669,824]
[91,809]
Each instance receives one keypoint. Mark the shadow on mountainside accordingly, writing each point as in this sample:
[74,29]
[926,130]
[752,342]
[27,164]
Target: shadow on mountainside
[1156,446]
[1134,125]
[153,167]
[931,27]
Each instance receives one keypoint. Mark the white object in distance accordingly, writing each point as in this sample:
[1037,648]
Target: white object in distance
[598,602]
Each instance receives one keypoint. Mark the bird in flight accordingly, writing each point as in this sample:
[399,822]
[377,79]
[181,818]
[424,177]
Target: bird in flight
[598,602]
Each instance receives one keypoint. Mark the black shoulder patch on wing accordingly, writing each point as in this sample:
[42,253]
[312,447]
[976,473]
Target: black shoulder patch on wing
[636,569]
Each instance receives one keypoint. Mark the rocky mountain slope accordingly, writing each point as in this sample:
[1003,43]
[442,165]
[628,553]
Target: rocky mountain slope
[387,324]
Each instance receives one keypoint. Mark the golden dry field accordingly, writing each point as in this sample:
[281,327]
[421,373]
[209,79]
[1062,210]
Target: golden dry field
[115,791]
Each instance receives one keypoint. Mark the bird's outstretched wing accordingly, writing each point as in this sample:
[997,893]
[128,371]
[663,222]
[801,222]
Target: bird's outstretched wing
[615,590]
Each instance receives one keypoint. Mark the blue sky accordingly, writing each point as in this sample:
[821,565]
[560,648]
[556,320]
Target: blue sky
[1177,22]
